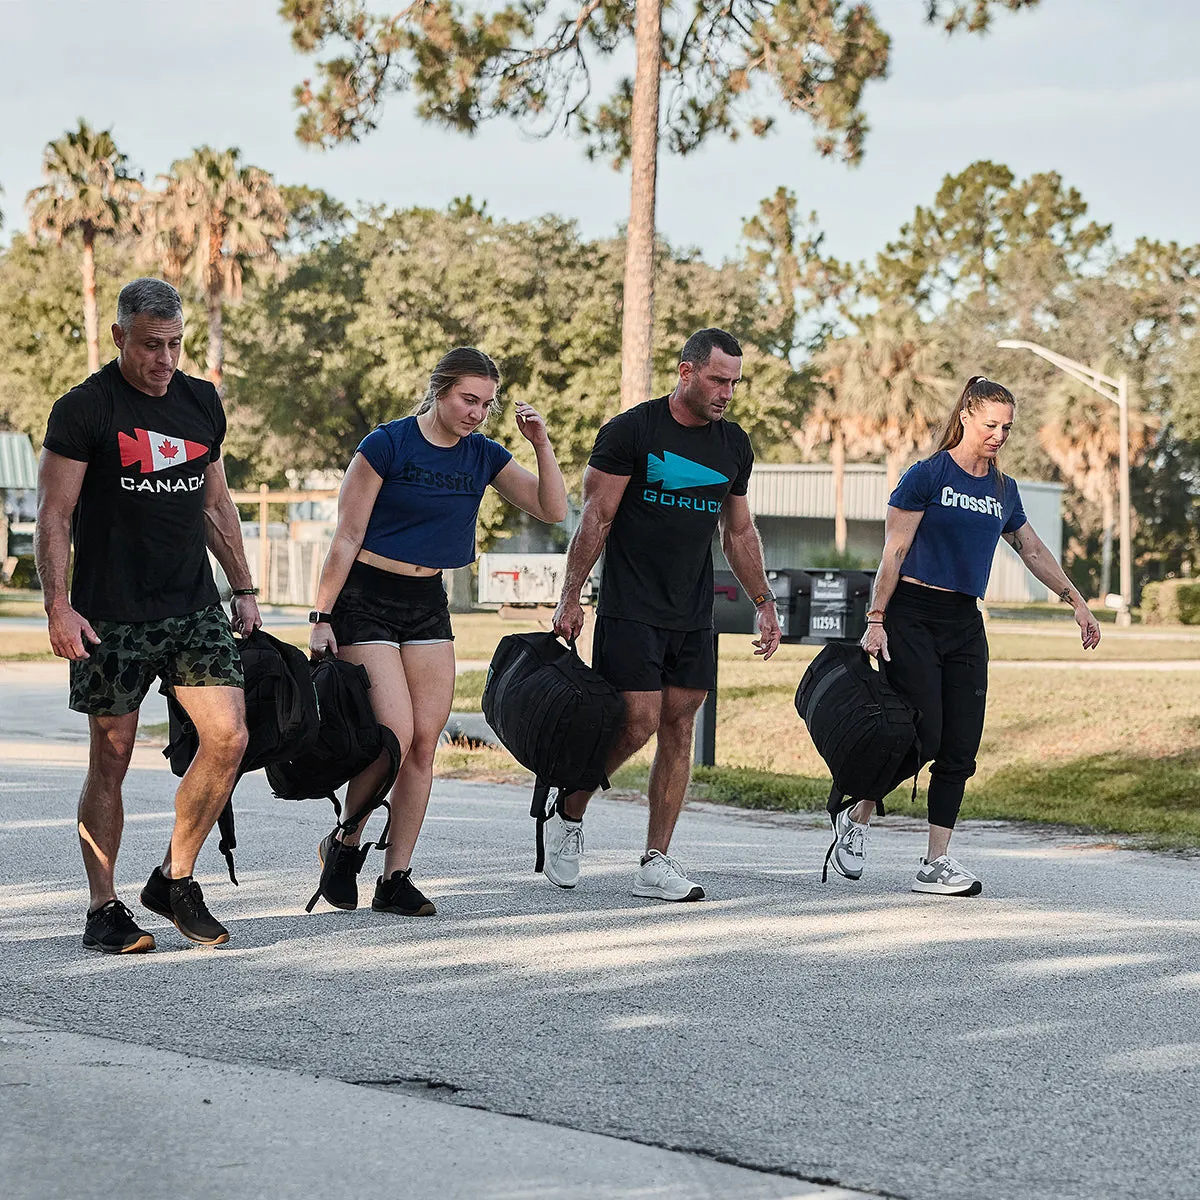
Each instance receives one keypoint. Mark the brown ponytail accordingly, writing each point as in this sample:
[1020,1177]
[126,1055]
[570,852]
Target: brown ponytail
[979,391]
[457,364]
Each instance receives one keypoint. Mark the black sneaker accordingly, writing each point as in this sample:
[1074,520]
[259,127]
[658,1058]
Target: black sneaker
[340,865]
[191,916]
[156,895]
[398,894]
[111,930]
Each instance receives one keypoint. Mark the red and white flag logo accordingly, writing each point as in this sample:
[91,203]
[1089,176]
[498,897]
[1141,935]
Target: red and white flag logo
[157,451]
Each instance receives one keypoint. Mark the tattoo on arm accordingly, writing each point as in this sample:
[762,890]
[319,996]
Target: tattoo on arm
[1065,594]
[1016,542]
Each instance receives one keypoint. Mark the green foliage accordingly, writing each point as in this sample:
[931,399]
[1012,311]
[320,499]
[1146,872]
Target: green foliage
[1171,602]
[347,337]
[466,63]
[829,558]
[1149,798]
[43,352]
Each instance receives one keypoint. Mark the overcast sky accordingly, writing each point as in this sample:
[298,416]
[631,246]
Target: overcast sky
[1107,92]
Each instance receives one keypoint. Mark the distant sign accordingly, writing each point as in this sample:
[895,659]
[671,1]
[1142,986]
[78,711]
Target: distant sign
[521,578]
[827,616]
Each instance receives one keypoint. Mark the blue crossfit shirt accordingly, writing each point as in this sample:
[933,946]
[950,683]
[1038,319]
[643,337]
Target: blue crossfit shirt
[964,517]
[426,510]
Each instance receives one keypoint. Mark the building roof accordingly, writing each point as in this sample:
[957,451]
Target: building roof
[18,464]
[806,490]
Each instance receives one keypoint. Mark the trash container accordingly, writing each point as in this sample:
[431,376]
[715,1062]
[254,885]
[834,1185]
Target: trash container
[793,596]
[838,605]
[732,610]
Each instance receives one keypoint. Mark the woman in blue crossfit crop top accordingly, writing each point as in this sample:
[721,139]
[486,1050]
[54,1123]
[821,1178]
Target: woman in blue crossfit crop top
[943,522]
[406,512]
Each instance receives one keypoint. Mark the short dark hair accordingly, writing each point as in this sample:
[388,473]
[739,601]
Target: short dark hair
[698,349]
[154,297]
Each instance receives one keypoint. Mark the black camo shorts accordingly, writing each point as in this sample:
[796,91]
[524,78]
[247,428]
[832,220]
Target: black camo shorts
[195,650]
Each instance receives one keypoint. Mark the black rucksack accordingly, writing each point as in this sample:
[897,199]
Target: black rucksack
[350,739]
[282,717]
[864,730]
[554,714]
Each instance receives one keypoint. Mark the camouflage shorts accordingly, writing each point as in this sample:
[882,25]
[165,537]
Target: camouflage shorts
[195,650]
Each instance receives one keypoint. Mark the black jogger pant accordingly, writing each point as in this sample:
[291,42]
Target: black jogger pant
[939,661]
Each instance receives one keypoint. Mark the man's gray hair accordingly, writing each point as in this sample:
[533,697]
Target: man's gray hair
[153,297]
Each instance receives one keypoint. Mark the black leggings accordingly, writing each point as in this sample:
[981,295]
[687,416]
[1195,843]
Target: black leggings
[939,664]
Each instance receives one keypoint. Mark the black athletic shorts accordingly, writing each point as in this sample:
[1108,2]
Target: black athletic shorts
[195,650]
[643,658]
[381,608]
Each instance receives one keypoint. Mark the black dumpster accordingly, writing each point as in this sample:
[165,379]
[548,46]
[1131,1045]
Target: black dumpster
[733,611]
[838,605]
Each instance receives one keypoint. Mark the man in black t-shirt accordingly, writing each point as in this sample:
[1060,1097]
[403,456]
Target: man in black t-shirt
[662,478]
[131,473]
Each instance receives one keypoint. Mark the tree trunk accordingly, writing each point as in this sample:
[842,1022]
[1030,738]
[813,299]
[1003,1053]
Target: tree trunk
[894,459]
[1108,519]
[216,332]
[91,322]
[637,316]
[837,457]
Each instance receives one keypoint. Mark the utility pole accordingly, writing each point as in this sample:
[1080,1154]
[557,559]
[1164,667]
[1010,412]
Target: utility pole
[1117,392]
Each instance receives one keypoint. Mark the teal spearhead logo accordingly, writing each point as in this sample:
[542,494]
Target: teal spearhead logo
[674,471]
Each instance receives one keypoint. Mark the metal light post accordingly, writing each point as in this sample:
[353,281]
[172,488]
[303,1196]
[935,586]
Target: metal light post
[1117,391]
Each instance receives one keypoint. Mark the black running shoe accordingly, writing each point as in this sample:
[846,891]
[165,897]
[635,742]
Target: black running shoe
[191,916]
[340,865]
[156,895]
[111,930]
[398,894]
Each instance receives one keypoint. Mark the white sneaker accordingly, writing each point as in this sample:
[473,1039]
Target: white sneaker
[945,877]
[661,878]
[564,849]
[849,846]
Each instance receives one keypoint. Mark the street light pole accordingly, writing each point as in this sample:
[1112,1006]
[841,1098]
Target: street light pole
[1116,391]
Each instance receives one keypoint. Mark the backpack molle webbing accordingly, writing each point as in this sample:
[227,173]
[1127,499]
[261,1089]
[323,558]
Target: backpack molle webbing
[282,718]
[349,740]
[554,714]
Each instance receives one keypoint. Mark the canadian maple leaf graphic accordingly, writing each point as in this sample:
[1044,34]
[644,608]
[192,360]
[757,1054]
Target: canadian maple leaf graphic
[167,449]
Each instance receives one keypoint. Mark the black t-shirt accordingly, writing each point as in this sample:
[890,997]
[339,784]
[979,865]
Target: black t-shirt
[658,557]
[139,525]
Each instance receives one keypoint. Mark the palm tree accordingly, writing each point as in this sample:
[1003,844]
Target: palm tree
[214,219]
[89,190]
[1081,434]
[892,378]
[883,392]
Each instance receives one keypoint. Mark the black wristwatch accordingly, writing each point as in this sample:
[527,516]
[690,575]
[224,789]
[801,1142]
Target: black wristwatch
[316,616]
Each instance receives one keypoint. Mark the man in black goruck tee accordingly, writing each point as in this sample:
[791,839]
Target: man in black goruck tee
[662,478]
[131,474]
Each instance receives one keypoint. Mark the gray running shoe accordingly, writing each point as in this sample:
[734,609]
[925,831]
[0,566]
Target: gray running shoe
[661,877]
[564,849]
[849,846]
[945,877]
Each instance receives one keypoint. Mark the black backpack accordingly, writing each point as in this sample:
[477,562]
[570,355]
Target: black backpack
[282,717]
[864,730]
[554,714]
[349,740]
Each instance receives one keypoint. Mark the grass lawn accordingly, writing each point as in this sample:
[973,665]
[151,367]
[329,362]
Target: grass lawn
[1106,751]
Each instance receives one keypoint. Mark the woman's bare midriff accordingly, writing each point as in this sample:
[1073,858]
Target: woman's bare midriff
[921,583]
[395,566]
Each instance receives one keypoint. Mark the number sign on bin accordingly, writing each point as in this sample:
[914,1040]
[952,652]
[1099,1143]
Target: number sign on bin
[830,606]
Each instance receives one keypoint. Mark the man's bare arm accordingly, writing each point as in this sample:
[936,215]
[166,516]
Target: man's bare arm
[602,494]
[60,480]
[223,533]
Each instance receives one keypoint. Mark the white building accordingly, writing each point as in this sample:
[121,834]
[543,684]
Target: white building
[793,506]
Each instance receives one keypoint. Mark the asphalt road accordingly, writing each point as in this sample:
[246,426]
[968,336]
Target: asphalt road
[1040,1041]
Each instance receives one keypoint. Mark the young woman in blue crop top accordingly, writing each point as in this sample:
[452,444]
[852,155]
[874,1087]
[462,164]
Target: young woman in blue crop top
[406,512]
[943,522]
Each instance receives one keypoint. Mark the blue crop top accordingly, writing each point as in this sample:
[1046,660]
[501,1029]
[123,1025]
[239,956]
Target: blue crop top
[964,517]
[426,510]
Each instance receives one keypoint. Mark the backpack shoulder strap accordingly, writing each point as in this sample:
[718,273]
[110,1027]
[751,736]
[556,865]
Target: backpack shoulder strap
[541,809]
